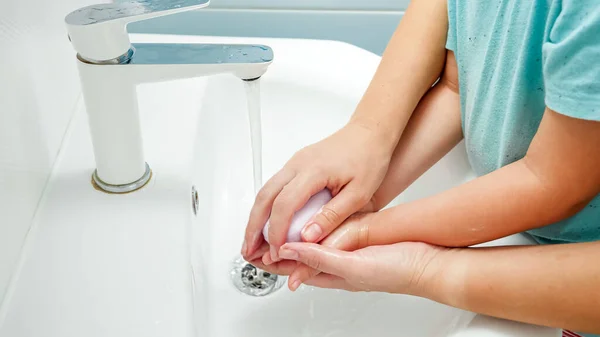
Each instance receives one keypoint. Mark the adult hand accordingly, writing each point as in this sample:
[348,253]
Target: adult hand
[405,268]
[351,163]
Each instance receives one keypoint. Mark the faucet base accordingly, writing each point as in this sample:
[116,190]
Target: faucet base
[121,189]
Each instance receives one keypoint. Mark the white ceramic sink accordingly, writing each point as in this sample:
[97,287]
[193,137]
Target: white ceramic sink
[144,265]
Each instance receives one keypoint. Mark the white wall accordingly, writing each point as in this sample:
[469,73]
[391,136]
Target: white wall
[370,5]
[368,29]
[39,89]
[366,24]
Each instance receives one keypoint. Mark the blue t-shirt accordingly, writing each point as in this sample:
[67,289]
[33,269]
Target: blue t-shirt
[515,58]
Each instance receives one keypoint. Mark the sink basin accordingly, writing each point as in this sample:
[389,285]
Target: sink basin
[145,264]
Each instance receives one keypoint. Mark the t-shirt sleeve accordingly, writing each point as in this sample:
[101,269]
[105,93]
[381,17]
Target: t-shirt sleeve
[451,39]
[571,58]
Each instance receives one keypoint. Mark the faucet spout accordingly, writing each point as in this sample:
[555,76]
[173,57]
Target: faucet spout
[151,62]
[109,91]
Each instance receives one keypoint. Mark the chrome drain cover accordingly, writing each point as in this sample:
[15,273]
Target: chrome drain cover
[254,281]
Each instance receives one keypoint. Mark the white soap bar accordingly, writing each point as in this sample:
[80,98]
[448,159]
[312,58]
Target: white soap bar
[301,217]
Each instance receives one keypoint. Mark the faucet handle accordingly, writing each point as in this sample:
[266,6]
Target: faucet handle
[98,32]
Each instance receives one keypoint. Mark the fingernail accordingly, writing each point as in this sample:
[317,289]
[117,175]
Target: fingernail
[312,232]
[254,241]
[255,256]
[274,255]
[244,248]
[295,285]
[288,254]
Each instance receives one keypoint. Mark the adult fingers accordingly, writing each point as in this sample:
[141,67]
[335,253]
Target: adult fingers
[325,259]
[322,280]
[327,281]
[262,208]
[352,235]
[350,199]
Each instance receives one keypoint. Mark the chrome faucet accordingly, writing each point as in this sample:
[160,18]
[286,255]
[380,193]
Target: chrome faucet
[110,68]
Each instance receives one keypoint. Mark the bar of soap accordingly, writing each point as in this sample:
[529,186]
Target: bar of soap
[301,217]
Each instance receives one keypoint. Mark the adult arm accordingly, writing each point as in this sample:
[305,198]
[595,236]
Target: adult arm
[553,285]
[412,62]
[432,131]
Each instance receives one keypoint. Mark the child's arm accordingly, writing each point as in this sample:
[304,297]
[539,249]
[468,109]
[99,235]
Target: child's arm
[552,285]
[557,178]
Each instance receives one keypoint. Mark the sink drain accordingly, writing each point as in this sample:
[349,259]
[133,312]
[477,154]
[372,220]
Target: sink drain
[254,281]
